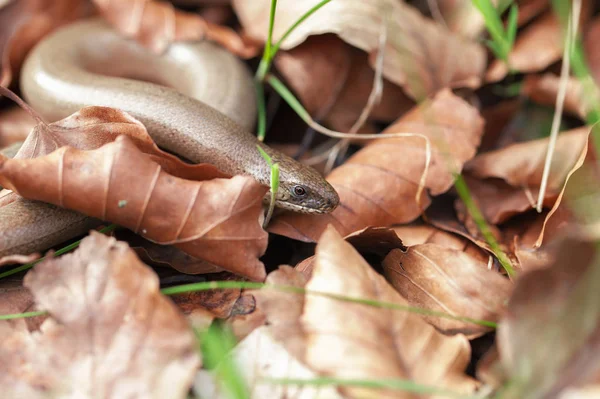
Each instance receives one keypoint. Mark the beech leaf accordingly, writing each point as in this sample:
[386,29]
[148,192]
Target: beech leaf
[216,220]
[421,56]
[353,341]
[449,281]
[378,185]
[110,334]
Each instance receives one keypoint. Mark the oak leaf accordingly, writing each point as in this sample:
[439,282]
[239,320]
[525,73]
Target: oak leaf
[216,220]
[378,185]
[110,334]
[421,56]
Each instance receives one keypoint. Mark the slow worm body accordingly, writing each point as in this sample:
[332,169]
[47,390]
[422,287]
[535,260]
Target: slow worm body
[196,100]
[202,107]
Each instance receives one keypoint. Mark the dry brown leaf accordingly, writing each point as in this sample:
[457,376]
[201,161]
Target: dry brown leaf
[353,341]
[555,308]
[420,56]
[524,246]
[520,167]
[378,185]
[543,89]
[156,24]
[537,47]
[333,80]
[15,125]
[218,302]
[448,280]
[27,226]
[216,220]
[375,242]
[111,333]
[166,255]
[416,234]
[24,22]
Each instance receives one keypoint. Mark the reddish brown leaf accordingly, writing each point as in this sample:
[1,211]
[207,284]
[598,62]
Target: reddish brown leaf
[334,82]
[450,281]
[556,308]
[378,185]
[543,89]
[23,23]
[156,24]
[536,48]
[420,56]
[348,340]
[111,333]
[520,166]
[216,220]
[218,302]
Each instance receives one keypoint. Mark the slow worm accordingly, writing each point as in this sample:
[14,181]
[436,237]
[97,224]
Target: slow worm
[196,100]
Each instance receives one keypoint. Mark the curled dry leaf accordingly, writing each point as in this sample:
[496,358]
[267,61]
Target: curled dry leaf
[421,56]
[555,307]
[354,341]
[448,280]
[24,22]
[216,220]
[111,333]
[333,80]
[379,184]
[156,24]
[27,226]
[513,174]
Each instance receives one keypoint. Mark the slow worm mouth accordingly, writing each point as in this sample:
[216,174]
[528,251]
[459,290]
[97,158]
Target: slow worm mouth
[301,209]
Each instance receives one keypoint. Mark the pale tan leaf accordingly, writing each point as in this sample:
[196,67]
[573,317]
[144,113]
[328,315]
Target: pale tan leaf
[421,56]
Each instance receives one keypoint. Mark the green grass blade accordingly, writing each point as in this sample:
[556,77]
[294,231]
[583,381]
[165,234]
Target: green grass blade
[465,195]
[22,315]
[296,24]
[211,285]
[216,343]
[512,25]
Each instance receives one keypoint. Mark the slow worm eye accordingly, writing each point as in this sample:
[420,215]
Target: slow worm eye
[299,191]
